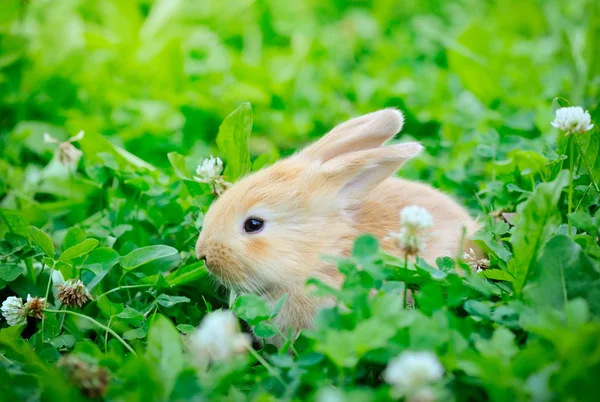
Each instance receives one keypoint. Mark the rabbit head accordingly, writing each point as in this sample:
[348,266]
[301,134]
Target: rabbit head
[272,228]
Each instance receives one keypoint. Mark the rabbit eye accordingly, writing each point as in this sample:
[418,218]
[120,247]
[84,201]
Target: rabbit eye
[253,225]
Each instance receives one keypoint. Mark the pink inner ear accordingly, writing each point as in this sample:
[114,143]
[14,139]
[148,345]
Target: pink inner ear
[362,133]
[346,146]
[359,186]
[361,172]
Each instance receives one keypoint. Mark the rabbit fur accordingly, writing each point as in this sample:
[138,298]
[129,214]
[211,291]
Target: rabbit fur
[314,204]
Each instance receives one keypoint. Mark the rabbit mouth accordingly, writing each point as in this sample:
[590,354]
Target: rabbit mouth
[216,270]
[238,280]
[231,278]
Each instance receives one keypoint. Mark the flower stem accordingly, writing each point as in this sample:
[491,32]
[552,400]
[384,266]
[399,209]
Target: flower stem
[104,327]
[582,197]
[405,293]
[106,336]
[6,358]
[571,156]
[146,285]
[269,368]
[285,338]
[46,298]
[62,322]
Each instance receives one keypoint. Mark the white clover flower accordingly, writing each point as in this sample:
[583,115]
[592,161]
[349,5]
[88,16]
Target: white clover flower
[34,306]
[14,311]
[416,217]
[412,370]
[217,338]
[330,394]
[572,120]
[73,293]
[57,279]
[210,168]
[210,172]
[424,394]
[477,264]
[413,221]
[68,155]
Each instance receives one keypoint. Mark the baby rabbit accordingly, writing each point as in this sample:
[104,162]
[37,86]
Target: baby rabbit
[268,232]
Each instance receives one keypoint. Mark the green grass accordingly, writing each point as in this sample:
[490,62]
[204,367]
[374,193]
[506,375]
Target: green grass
[157,86]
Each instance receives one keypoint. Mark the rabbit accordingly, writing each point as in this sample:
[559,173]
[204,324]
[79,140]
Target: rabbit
[267,234]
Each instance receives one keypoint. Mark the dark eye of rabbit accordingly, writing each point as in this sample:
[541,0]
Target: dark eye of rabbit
[253,225]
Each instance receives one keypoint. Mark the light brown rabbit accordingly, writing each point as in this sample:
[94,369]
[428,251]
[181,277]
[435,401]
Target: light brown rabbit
[268,232]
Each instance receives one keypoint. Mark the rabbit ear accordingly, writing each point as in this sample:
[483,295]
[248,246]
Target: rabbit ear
[364,132]
[356,174]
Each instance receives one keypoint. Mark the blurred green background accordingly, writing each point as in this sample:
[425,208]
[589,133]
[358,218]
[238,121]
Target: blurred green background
[478,82]
[475,78]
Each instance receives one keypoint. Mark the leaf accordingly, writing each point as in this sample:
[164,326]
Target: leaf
[94,144]
[179,165]
[497,275]
[564,272]
[538,218]
[477,308]
[338,347]
[73,237]
[264,160]
[13,221]
[161,14]
[577,312]
[170,301]
[42,240]
[430,298]
[278,305]
[589,148]
[365,247]
[285,361]
[185,328]
[145,255]
[232,141]
[265,329]
[501,345]
[78,250]
[23,356]
[445,264]
[10,272]
[63,341]
[109,308]
[16,241]
[119,230]
[423,268]
[310,359]
[137,333]
[251,308]
[187,274]
[485,240]
[182,172]
[468,56]
[165,353]
[101,260]
[131,316]
[539,383]
[209,307]
[371,334]
[584,221]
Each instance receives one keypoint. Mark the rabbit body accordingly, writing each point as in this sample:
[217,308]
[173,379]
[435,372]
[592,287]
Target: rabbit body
[315,204]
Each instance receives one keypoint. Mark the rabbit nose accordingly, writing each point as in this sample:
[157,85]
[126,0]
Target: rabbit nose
[200,252]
